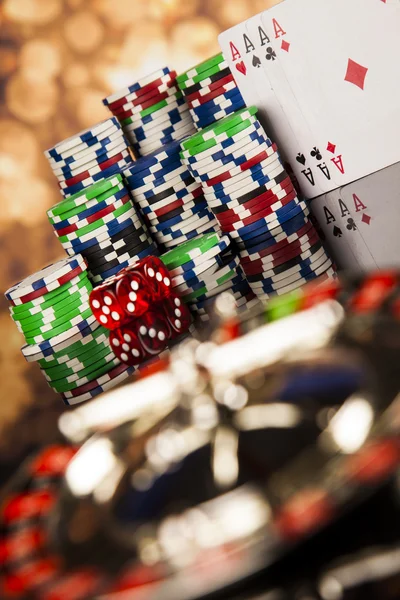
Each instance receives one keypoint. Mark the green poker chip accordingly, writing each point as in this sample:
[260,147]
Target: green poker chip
[100,369]
[96,224]
[42,336]
[87,344]
[77,364]
[94,191]
[201,68]
[279,307]
[227,127]
[189,250]
[202,75]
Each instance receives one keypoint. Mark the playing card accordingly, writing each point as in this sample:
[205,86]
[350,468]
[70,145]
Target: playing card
[340,58]
[360,221]
[244,48]
[294,135]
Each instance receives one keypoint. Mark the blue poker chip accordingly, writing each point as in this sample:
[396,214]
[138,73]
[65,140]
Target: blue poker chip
[239,284]
[113,170]
[100,152]
[282,215]
[78,247]
[102,155]
[229,161]
[155,183]
[197,281]
[214,105]
[189,235]
[169,230]
[87,138]
[255,172]
[268,286]
[204,121]
[150,250]
[161,156]
[267,239]
[90,211]
[153,198]
[198,210]
[144,177]
[174,118]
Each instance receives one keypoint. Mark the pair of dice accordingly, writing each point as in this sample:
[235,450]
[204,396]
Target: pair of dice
[141,311]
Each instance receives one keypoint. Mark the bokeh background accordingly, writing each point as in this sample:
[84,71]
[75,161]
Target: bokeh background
[58,59]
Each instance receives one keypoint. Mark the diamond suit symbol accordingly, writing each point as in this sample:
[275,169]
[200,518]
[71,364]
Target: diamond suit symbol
[366,219]
[356,74]
[331,147]
[285,45]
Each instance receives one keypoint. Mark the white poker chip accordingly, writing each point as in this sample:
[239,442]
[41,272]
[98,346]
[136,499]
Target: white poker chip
[271,165]
[78,167]
[88,181]
[294,277]
[234,166]
[170,186]
[89,153]
[207,267]
[269,276]
[245,186]
[100,131]
[141,83]
[162,122]
[329,272]
[208,278]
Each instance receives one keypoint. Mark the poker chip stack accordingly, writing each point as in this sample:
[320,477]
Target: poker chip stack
[51,309]
[210,91]
[152,111]
[102,224]
[170,199]
[254,201]
[88,157]
[203,268]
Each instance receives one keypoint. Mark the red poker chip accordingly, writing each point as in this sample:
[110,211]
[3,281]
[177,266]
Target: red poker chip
[202,99]
[21,544]
[210,88]
[303,514]
[278,260]
[27,506]
[373,292]
[134,112]
[92,218]
[101,166]
[252,162]
[317,292]
[146,92]
[289,249]
[266,211]
[270,193]
[374,462]
[307,229]
[264,199]
[53,460]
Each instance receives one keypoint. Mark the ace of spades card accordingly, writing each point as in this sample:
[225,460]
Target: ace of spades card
[340,58]
[360,221]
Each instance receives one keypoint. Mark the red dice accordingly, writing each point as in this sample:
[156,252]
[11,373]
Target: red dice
[156,274]
[106,307]
[137,305]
